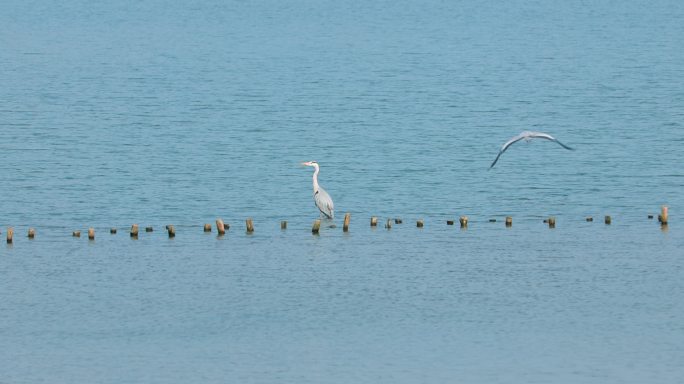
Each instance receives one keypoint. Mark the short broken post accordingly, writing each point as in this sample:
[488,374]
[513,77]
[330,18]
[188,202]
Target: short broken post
[316,226]
[76,233]
[31,233]
[589,219]
[220,227]
[207,227]
[374,221]
[552,222]
[464,221]
[10,235]
[91,233]
[509,221]
[662,218]
[149,229]
[134,231]
[250,225]
[112,231]
[172,230]
[347,219]
[420,223]
[388,225]
[607,220]
[283,225]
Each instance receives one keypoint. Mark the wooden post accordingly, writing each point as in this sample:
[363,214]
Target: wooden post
[76,233]
[316,227]
[589,219]
[250,225]
[149,229]
[112,231]
[607,220]
[650,217]
[31,233]
[91,233]
[450,222]
[464,221]
[283,224]
[389,224]
[207,227]
[420,223]
[663,215]
[10,235]
[509,221]
[172,230]
[134,230]
[398,221]
[347,219]
[552,222]
[220,227]
[374,221]
[492,220]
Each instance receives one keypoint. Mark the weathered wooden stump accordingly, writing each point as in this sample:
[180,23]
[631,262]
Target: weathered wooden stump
[347,219]
[420,223]
[374,221]
[463,220]
[316,226]
[250,225]
[91,233]
[31,233]
[220,227]
[134,230]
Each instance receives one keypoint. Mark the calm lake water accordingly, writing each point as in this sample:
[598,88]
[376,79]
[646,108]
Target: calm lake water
[160,113]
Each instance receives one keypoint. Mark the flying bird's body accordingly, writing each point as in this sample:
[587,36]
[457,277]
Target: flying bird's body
[527,136]
[322,199]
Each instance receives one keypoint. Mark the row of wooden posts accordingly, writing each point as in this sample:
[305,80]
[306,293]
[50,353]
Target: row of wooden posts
[221,227]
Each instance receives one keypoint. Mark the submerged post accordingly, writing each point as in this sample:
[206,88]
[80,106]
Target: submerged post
[464,221]
[171,230]
[316,226]
[134,230]
[112,231]
[207,227]
[91,233]
[450,222]
[552,222]
[420,223]
[388,225]
[250,225]
[607,220]
[347,219]
[31,233]
[10,235]
[398,221]
[220,227]
[509,221]
[589,219]
[76,233]
[374,221]
[149,229]
[663,215]
[283,224]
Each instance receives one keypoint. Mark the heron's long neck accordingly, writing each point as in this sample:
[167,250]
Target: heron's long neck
[315,178]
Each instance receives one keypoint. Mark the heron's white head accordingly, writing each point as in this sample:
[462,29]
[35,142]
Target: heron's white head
[310,163]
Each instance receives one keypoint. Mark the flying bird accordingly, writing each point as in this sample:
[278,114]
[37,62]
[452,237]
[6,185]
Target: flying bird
[321,198]
[527,136]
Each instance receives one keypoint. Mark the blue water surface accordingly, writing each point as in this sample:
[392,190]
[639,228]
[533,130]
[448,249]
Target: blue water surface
[159,112]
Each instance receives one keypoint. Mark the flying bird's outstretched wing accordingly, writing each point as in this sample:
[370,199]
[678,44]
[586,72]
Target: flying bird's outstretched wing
[508,144]
[546,136]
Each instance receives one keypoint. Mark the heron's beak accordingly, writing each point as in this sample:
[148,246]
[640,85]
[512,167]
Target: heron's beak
[304,164]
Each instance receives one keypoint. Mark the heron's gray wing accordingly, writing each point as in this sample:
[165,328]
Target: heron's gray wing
[324,203]
[546,136]
[506,145]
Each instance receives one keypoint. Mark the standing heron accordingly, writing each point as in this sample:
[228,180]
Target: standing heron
[527,136]
[323,201]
